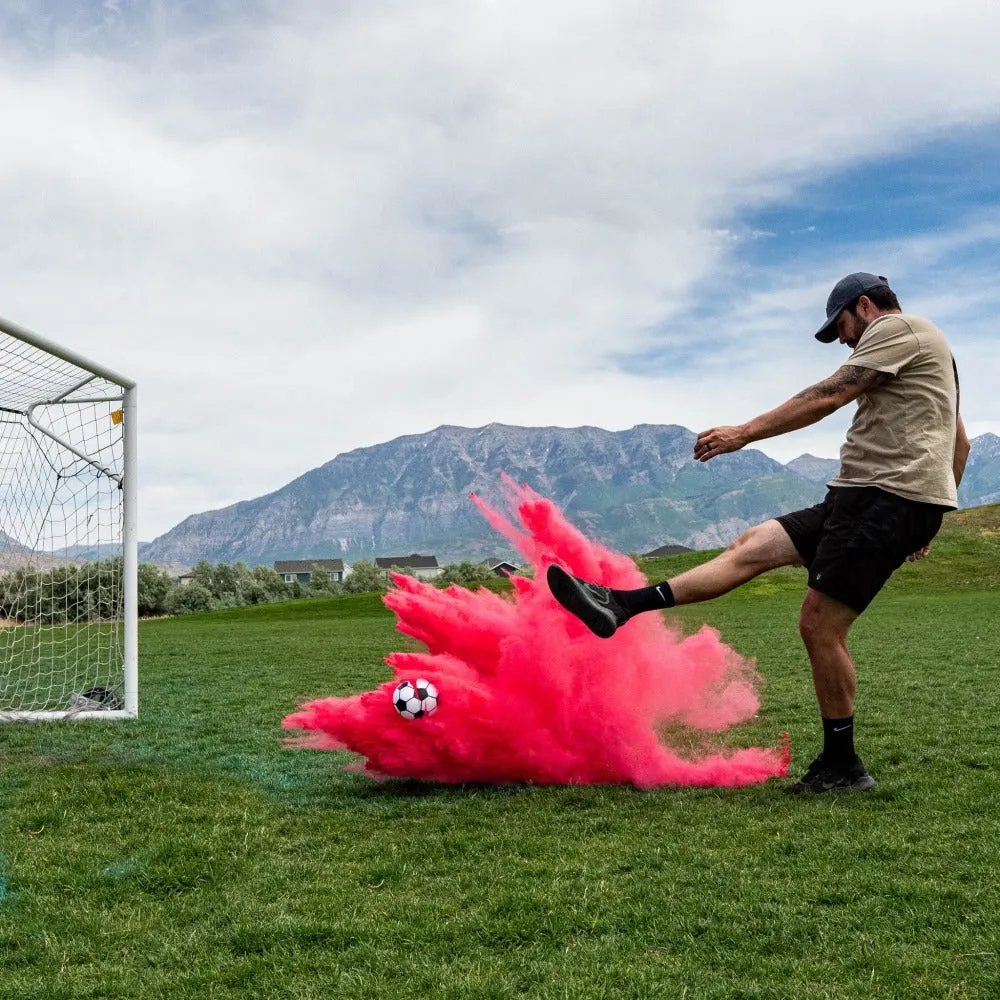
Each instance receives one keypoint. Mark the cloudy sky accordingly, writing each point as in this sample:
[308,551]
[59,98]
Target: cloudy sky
[307,227]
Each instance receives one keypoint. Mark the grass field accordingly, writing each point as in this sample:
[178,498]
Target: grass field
[94,649]
[188,855]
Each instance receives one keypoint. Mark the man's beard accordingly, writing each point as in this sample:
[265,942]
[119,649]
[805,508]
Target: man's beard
[860,325]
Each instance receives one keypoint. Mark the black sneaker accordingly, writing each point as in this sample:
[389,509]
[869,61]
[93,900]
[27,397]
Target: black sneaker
[590,602]
[820,777]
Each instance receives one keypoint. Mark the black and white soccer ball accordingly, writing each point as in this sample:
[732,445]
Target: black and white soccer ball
[95,699]
[415,699]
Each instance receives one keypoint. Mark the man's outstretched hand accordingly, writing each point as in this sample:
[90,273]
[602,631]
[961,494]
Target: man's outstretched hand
[919,554]
[719,441]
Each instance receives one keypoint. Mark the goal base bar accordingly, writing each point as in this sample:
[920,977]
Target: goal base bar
[69,716]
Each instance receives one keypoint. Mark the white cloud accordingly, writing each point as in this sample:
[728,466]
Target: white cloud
[311,231]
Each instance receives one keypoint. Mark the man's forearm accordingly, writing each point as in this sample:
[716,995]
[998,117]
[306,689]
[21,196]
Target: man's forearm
[799,411]
[816,402]
[962,448]
[958,466]
[803,409]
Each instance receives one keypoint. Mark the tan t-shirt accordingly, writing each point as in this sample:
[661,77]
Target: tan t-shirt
[902,438]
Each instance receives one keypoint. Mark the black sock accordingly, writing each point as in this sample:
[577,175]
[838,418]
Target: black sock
[838,741]
[645,598]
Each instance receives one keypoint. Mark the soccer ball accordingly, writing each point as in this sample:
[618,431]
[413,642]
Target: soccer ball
[95,698]
[415,699]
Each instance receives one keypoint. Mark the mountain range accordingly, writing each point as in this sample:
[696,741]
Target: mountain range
[634,490]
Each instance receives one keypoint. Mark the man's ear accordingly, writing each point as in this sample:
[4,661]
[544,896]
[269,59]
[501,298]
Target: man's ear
[864,308]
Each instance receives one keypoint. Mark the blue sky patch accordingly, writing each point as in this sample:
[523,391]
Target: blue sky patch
[929,188]
[928,218]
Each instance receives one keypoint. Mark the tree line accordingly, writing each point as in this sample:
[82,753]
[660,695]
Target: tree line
[64,594]
[92,591]
[231,585]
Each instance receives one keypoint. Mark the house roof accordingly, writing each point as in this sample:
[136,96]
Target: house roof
[495,564]
[306,565]
[412,561]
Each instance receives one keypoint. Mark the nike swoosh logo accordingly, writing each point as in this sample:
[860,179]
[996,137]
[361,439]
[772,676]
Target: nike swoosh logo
[841,729]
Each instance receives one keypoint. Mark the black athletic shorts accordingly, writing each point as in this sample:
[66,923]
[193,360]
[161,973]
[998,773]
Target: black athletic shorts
[857,538]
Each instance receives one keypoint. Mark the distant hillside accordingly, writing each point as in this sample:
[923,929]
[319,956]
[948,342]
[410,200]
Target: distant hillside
[666,550]
[965,555]
[984,520]
[819,470]
[981,482]
[15,554]
[635,490]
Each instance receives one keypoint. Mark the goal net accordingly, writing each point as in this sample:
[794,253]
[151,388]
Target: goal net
[68,640]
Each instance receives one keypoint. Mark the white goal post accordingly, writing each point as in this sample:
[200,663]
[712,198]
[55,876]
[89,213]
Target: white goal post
[68,535]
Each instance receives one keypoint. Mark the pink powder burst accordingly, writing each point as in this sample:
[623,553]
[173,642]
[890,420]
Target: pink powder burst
[528,694]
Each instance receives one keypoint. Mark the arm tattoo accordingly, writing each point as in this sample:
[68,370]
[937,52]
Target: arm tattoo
[847,375]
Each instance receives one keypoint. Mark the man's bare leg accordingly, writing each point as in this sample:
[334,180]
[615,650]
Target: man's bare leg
[824,625]
[756,551]
[604,610]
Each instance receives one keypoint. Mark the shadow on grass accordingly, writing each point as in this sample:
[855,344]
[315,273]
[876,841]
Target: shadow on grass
[344,788]
[301,780]
[415,788]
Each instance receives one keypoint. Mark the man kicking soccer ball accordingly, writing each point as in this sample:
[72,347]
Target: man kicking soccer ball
[899,470]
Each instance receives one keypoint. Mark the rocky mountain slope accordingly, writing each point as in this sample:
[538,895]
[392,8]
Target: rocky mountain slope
[981,482]
[819,470]
[635,490]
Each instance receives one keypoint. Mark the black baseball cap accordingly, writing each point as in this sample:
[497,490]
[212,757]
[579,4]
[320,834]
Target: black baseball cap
[844,293]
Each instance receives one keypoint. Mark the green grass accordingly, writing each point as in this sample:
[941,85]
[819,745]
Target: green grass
[91,646]
[187,855]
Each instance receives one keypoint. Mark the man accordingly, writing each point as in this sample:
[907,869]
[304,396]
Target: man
[900,467]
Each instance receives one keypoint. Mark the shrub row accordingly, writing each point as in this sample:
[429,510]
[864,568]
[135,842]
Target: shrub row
[90,592]
[226,585]
[65,594]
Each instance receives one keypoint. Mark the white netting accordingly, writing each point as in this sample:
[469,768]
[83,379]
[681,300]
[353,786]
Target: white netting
[61,535]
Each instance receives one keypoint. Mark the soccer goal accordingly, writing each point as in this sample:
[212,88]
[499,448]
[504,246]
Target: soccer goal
[68,549]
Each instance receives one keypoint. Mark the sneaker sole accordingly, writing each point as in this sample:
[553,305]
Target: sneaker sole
[861,785]
[572,597]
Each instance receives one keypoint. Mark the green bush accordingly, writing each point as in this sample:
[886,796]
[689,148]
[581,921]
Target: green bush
[154,585]
[466,574]
[62,595]
[365,577]
[189,598]
[268,584]
[322,584]
[228,585]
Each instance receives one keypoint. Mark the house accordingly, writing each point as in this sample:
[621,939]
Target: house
[666,550]
[300,570]
[422,567]
[500,567]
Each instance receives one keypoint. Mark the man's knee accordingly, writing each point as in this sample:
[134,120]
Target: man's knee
[811,624]
[824,620]
[763,547]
